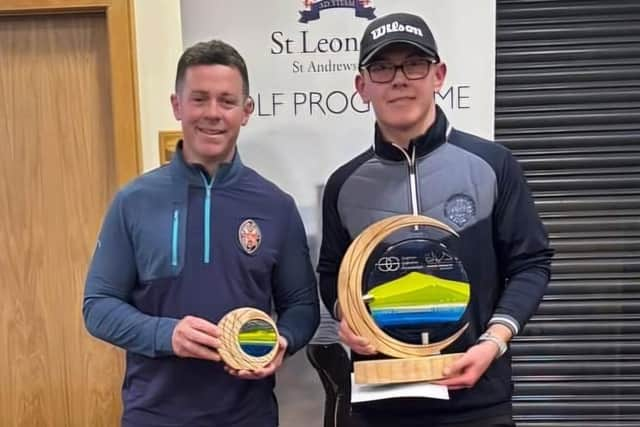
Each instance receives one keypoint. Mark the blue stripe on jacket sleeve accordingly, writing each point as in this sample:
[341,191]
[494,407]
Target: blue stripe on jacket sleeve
[174,237]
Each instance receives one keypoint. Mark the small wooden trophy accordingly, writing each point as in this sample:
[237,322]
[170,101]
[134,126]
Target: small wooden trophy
[249,339]
[428,285]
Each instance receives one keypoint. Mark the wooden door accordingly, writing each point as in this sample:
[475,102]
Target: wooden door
[62,156]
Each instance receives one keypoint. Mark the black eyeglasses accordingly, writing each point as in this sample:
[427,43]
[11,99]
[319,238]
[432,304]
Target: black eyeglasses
[412,68]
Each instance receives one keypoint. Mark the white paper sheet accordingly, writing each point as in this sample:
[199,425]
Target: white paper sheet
[368,392]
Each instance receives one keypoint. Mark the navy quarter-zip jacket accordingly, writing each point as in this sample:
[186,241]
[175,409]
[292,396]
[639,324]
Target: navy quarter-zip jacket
[170,247]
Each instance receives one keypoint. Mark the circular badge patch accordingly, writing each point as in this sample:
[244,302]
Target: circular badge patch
[460,208]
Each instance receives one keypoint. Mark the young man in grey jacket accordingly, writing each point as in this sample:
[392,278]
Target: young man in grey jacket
[419,163]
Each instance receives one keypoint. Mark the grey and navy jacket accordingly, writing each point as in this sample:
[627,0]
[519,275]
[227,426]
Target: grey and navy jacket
[478,189]
[169,247]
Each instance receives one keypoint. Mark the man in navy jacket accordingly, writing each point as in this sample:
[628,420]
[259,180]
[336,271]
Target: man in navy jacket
[186,243]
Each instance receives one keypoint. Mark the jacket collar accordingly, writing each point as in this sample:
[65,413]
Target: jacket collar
[434,137]
[195,174]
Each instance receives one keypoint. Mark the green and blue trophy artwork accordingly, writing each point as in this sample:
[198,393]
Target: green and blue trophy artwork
[257,338]
[402,286]
[249,339]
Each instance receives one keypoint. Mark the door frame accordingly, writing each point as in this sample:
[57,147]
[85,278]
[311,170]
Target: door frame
[119,15]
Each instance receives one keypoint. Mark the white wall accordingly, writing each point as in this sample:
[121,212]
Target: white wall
[297,142]
[159,45]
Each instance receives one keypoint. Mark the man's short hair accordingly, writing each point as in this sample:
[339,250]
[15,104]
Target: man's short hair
[213,52]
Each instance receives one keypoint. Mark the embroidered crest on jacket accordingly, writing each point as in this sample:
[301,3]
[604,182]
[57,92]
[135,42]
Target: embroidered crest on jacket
[460,208]
[249,236]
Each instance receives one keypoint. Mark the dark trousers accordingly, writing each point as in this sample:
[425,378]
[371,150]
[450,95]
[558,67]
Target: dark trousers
[333,366]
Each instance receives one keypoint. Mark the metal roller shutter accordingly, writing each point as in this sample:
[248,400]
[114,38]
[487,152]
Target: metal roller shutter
[568,106]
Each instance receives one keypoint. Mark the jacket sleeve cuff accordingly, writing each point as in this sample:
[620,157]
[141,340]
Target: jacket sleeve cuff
[291,348]
[164,334]
[506,320]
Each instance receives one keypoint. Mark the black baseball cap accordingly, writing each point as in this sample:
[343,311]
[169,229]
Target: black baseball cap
[396,28]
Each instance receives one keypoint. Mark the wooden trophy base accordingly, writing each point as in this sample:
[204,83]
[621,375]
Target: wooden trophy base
[389,371]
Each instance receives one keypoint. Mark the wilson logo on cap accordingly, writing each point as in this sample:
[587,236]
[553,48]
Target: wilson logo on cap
[395,27]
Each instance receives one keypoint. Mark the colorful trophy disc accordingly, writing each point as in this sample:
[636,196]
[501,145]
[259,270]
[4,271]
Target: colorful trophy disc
[401,286]
[249,339]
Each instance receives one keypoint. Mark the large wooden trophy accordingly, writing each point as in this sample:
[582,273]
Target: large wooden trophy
[401,286]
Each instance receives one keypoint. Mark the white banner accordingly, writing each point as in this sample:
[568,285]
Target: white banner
[302,58]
